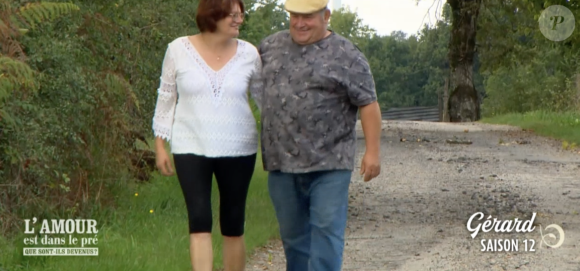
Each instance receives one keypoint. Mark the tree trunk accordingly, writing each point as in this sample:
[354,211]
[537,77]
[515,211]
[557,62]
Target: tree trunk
[440,103]
[464,102]
[578,92]
[445,117]
[443,101]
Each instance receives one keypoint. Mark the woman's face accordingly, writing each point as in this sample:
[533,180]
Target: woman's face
[230,25]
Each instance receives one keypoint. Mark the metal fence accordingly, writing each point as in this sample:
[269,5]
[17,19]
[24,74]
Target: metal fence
[416,113]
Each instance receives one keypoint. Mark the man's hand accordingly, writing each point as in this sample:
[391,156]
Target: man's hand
[370,166]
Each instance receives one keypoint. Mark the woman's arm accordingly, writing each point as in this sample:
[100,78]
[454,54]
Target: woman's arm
[164,113]
[166,99]
[257,82]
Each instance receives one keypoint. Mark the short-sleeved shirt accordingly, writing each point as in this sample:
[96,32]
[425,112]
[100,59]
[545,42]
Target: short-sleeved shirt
[310,100]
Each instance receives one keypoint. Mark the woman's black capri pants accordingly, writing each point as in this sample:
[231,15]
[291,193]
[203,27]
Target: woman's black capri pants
[233,176]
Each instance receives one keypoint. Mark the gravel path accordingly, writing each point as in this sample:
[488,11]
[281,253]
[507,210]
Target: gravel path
[414,215]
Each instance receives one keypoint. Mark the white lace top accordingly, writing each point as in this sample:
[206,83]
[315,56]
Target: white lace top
[202,111]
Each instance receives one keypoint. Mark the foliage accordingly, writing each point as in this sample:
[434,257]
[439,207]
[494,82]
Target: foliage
[18,89]
[265,17]
[516,68]
[348,24]
[15,74]
[524,70]
[408,70]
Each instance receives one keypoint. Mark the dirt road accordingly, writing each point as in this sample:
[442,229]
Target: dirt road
[414,216]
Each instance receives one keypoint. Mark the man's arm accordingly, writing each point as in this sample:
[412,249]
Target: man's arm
[362,93]
[371,121]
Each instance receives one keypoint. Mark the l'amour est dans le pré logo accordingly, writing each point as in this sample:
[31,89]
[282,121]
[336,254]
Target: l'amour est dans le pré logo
[60,237]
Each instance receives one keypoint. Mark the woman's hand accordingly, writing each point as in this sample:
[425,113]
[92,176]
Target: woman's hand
[162,158]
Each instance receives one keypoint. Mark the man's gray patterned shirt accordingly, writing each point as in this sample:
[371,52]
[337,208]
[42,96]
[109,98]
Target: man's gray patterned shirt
[309,98]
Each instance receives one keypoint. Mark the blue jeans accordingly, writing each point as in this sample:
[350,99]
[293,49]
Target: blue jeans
[311,209]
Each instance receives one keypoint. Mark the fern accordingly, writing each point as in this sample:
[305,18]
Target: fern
[16,74]
[15,22]
[8,29]
[35,13]
[119,85]
[13,48]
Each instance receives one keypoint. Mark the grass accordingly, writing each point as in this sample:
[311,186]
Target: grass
[149,231]
[561,126]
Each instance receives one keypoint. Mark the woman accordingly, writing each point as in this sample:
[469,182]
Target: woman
[203,110]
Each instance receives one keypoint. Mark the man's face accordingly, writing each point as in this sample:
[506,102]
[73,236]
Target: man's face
[308,28]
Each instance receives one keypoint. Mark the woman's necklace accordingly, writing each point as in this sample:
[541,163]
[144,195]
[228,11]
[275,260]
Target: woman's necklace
[218,56]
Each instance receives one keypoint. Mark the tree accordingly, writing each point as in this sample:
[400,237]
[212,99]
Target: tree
[265,17]
[523,70]
[433,57]
[464,105]
[348,24]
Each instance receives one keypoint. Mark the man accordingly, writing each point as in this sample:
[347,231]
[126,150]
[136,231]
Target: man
[313,82]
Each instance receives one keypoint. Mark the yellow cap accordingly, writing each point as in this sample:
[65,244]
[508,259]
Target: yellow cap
[305,6]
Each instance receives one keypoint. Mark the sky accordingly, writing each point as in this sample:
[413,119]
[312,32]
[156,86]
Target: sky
[386,16]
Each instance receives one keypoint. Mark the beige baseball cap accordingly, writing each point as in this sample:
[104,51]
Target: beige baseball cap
[305,6]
